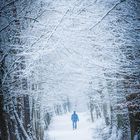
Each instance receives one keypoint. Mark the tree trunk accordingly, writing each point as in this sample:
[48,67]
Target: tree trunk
[3,125]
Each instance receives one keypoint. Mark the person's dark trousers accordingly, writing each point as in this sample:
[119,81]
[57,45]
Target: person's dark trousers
[74,125]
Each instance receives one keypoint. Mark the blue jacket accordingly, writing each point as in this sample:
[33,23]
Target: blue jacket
[74,117]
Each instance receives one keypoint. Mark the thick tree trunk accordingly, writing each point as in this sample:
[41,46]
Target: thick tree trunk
[26,113]
[3,125]
[134,113]
[91,112]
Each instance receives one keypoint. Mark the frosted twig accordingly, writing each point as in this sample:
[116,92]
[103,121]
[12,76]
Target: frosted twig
[8,4]
[105,16]
[52,31]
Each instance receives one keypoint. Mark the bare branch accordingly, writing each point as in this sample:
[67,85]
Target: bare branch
[105,16]
[58,25]
[10,70]
[3,57]
[7,25]
[34,19]
[52,31]
[8,5]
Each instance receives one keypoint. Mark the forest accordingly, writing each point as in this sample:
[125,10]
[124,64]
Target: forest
[57,56]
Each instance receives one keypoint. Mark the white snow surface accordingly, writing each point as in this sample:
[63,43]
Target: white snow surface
[61,128]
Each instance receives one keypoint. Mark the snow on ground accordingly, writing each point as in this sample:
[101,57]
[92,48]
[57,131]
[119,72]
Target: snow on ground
[61,128]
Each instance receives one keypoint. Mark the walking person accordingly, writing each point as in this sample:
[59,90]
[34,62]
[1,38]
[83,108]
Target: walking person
[74,118]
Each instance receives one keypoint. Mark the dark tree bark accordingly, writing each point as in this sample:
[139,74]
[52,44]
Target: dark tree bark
[3,124]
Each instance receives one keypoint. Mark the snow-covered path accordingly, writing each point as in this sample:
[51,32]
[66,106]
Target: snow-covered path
[61,128]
